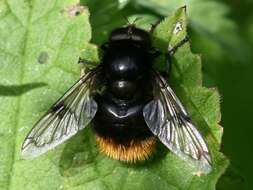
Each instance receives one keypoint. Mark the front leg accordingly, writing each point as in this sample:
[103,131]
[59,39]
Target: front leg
[171,52]
[85,62]
[86,65]
[153,26]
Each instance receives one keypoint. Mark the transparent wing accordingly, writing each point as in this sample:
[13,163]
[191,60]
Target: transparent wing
[169,121]
[71,113]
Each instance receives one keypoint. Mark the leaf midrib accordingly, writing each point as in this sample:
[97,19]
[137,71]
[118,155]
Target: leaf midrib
[23,56]
[19,99]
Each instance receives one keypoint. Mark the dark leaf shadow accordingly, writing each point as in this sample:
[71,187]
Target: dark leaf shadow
[16,90]
[78,152]
[81,151]
[231,180]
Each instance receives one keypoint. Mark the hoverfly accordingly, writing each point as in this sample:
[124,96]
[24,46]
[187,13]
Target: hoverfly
[129,105]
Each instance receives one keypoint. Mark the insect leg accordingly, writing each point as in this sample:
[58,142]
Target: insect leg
[84,62]
[104,46]
[171,52]
[155,52]
[85,65]
[153,26]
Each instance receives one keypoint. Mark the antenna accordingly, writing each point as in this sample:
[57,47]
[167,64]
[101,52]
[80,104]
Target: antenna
[135,20]
[126,19]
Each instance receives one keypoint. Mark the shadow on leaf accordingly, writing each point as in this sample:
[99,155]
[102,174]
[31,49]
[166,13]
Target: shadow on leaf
[81,152]
[78,152]
[231,180]
[17,90]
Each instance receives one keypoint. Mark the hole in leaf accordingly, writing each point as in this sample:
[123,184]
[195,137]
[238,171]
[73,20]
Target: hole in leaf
[43,57]
[74,10]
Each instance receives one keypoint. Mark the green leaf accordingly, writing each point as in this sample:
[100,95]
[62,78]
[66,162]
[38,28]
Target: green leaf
[40,45]
[39,48]
[202,103]
[215,33]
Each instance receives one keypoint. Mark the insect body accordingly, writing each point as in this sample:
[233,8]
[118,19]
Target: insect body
[133,107]
[119,123]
